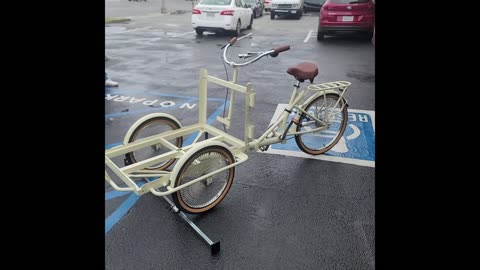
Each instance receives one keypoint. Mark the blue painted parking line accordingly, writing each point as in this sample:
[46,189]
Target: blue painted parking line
[108,146]
[120,212]
[115,194]
[357,145]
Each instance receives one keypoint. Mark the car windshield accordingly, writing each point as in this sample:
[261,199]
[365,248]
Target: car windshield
[350,1]
[216,2]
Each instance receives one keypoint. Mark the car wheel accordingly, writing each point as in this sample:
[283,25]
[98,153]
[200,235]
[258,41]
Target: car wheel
[238,29]
[299,14]
[369,36]
[272,15]
[251,24]
[254,13]
[199,32]
[320,36]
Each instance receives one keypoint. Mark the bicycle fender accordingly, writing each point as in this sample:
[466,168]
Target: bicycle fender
[326,92]
[198,146]
[145,118]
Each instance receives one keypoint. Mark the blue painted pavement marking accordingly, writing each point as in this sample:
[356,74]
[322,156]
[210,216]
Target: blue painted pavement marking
[120,211]
[126,96]
[115,194]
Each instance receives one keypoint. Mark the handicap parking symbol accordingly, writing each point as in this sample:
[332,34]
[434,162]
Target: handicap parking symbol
[357,145]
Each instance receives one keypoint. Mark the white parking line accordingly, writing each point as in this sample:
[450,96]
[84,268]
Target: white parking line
[308,36]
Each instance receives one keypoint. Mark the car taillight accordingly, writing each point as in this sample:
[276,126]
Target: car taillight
[267,2]
[227,12]
[196,11]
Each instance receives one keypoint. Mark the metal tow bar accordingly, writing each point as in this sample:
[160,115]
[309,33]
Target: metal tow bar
[214,247]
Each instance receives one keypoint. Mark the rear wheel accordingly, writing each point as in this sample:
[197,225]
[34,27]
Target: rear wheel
[272,15]
[150,127]
[320,36]
[199,32]
[333,113]
[251,24]
[208,193]
[368,36]
[238,29]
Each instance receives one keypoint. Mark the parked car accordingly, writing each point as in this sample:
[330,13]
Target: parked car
[221,15]
[268,5]
[346,15]
[286,7]
[256,6]
[312,5]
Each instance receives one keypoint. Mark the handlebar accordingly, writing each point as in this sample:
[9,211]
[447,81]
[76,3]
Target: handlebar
[272,53]
[279,50]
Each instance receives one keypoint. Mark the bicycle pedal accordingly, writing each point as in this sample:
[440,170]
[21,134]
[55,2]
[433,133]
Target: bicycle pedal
[264,148]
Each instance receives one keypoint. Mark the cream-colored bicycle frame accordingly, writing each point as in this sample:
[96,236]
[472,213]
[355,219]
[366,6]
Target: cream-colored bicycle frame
[238,148]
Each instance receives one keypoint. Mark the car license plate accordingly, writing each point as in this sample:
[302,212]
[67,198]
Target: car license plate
[210,14]
[347,19]
[294,11]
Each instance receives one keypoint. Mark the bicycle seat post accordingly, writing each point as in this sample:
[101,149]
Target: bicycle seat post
[297,84]
[294,94]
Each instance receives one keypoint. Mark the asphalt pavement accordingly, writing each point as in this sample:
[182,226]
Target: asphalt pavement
[284,210]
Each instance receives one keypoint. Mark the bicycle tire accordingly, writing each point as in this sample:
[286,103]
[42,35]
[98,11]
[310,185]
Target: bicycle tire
[146,129]
[205,194]
[312,143]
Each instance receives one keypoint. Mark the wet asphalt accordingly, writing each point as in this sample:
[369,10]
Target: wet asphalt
[282,212]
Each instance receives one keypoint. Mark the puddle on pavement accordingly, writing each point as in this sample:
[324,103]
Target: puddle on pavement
[361,76]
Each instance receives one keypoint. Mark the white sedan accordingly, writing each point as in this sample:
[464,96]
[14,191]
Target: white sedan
[222,15]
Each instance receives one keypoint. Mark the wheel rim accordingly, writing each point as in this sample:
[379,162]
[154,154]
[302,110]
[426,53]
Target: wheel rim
[326,139]
[154,128]
[205,192]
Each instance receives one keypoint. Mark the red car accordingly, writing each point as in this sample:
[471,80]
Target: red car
[346,15]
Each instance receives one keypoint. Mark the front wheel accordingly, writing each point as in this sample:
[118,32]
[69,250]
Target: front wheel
[332,111]
[299,14]
[150,127]
[208,193]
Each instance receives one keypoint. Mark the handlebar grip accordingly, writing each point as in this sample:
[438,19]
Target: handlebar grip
[278,50]
[282,49]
